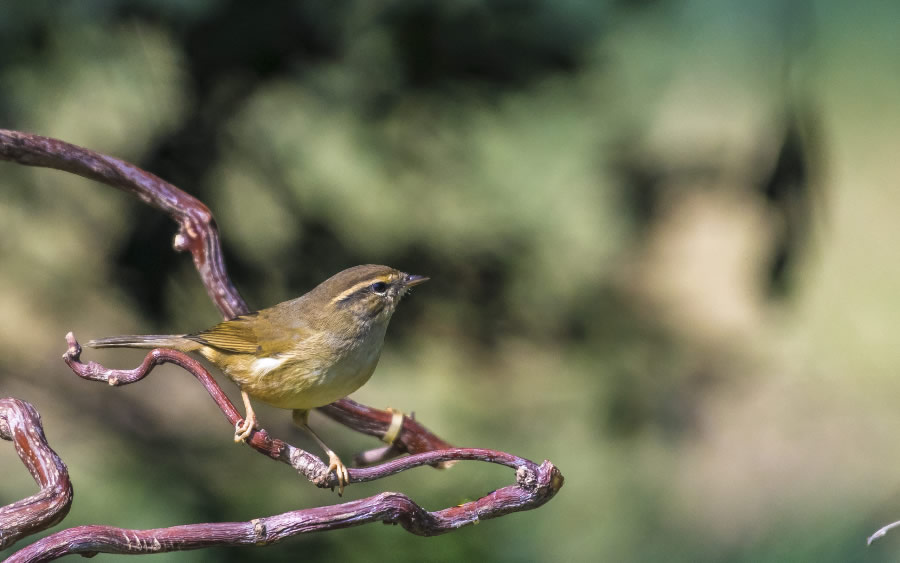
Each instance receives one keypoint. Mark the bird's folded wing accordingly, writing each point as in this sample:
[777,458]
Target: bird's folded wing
[236,335]
[257,333]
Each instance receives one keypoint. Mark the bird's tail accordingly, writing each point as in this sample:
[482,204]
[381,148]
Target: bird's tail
[176,341]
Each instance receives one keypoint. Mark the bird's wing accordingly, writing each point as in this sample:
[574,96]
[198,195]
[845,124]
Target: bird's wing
[252,334]
[236,336]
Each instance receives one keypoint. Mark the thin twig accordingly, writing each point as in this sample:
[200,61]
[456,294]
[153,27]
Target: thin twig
[882,532]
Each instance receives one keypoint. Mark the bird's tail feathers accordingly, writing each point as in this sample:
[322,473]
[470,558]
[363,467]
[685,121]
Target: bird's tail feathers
[176,341]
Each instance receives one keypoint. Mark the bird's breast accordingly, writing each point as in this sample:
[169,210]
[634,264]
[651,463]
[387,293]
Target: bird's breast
[314,376]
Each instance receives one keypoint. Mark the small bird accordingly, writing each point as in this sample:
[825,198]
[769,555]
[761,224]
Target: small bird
[300,354]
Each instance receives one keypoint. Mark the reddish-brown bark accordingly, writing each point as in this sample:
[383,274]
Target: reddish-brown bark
[535,484]
[21,424]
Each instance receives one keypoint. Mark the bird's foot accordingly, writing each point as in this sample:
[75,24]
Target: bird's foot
[340,470]
[244,428]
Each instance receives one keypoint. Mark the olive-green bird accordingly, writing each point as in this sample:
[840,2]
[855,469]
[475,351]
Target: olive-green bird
[300,354]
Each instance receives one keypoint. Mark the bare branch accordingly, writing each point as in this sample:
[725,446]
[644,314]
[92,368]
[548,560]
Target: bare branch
[197,234]
[20,423]
[305,463]
[535,484]
[412,436]
[534,488]
[197,231]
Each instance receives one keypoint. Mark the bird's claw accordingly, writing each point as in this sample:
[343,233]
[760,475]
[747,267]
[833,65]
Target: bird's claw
[243,429]
[340,470]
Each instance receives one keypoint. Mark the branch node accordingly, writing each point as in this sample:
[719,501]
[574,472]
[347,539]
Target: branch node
[526,478]
[259,530]
[312,467]
[180,243]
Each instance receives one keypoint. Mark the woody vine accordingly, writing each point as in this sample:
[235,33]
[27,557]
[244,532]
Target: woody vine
[20,422]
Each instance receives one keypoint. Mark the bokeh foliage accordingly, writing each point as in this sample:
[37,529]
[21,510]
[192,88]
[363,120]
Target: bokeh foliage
[660,235]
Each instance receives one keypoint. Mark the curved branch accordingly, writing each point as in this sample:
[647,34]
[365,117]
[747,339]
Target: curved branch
[21,423]
[412,437]
[197,234]
[535,484]
[533,490]
[303,462]
[197,231]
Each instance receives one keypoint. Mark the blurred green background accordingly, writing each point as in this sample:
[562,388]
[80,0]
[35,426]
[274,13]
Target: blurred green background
[662,236]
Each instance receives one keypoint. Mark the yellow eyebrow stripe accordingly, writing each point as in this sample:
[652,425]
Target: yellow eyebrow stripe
[348,292]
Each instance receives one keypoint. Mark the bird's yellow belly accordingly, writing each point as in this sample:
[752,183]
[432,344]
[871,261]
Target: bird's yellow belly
[301,384]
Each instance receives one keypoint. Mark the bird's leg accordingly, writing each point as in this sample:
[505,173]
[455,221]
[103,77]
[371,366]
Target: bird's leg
[243,428]
[301,419]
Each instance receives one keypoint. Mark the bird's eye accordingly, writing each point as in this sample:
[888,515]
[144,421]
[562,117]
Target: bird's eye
[378,287]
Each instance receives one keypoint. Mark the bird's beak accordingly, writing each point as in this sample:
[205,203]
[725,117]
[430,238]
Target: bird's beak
[412,280]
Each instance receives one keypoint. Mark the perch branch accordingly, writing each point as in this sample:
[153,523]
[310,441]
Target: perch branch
[21,424]
[535,484]
[412,437]
[534,487]
[303,462]
[198,234]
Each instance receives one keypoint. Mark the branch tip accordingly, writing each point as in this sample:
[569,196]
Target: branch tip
[73,353]
[882,532]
